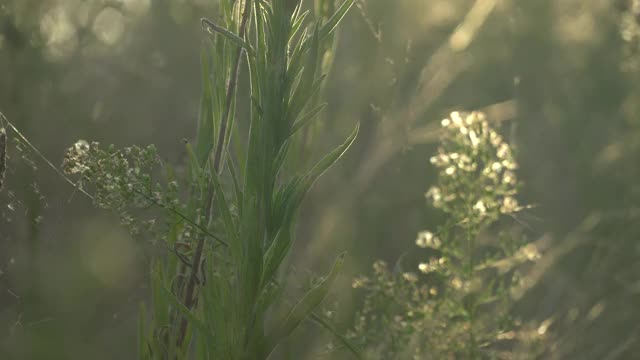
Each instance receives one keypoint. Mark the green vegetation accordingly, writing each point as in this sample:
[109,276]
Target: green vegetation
[280,212]
[458,305]
[230,220]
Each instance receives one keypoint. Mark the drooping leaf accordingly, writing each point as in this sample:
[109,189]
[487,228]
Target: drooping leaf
[211,26]
[306,305]
[346,342]
[306,182]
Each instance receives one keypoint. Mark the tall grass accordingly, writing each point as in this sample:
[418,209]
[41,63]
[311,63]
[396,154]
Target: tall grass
[232,217]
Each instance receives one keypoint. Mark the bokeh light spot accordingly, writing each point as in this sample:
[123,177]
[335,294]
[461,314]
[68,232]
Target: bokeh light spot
[59,33]
[109,26]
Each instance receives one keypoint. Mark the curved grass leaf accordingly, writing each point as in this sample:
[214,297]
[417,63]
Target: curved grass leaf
[306,182]
[306,305]
[346,342]
[307,118]
[335,18]
[210,25]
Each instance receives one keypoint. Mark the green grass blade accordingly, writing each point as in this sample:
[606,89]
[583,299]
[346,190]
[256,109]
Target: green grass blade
[200,326]
[334,156]
[335,19]
[275,254]
[142,329]
[307,304]
[346,342]
[307,118]
[210,25]
[225,213]
[310,178]
[206,126]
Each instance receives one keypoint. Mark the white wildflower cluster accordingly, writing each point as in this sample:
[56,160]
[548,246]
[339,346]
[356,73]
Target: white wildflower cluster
[476,169]
[427,312]
[434,265]
[76,158]
[426,239]
[121,180]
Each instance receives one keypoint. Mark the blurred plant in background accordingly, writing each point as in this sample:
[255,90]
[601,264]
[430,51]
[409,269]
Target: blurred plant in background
[458,304]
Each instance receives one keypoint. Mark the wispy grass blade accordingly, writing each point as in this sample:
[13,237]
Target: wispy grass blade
[331,24]
[306,305]
[211,26]
[341,338]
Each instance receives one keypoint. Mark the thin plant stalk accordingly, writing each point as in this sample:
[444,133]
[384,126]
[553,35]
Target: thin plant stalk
[189,298]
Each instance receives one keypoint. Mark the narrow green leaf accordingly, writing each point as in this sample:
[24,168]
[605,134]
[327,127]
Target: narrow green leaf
[307,304]
[194,165]
[206,132]
[346,342]
[160,306]
[225,212]
[309,179]
[210,25]
[199,325]
[307,118]
[333,157]
[142,339]
[236,185]
[335,18]
[275,254]
[299,20]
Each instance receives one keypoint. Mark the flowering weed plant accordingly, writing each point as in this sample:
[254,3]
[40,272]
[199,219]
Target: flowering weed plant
[454,305]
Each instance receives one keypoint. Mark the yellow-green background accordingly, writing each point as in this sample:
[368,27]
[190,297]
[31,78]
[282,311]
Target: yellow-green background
[560,75]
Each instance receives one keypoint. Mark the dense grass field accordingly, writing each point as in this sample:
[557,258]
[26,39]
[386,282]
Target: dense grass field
[333,179]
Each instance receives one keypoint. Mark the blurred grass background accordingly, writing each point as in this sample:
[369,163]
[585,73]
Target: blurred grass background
[560,76]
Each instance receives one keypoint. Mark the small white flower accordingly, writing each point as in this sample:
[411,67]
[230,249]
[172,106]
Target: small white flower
[530,252]
[496,166]
[509,178]
[475,141]
[434,193]
[450,170]
[455,117]
[509,164]
[495,139]
[440,160]
[410,277]
[445,122]
[480,207]
[81,146]
[428,239]
[509,205]
[456,283]
[471,118]
[503,150]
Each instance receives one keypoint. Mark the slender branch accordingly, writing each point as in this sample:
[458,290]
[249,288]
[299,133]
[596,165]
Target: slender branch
[85,193]
[44,158]
[189,300]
